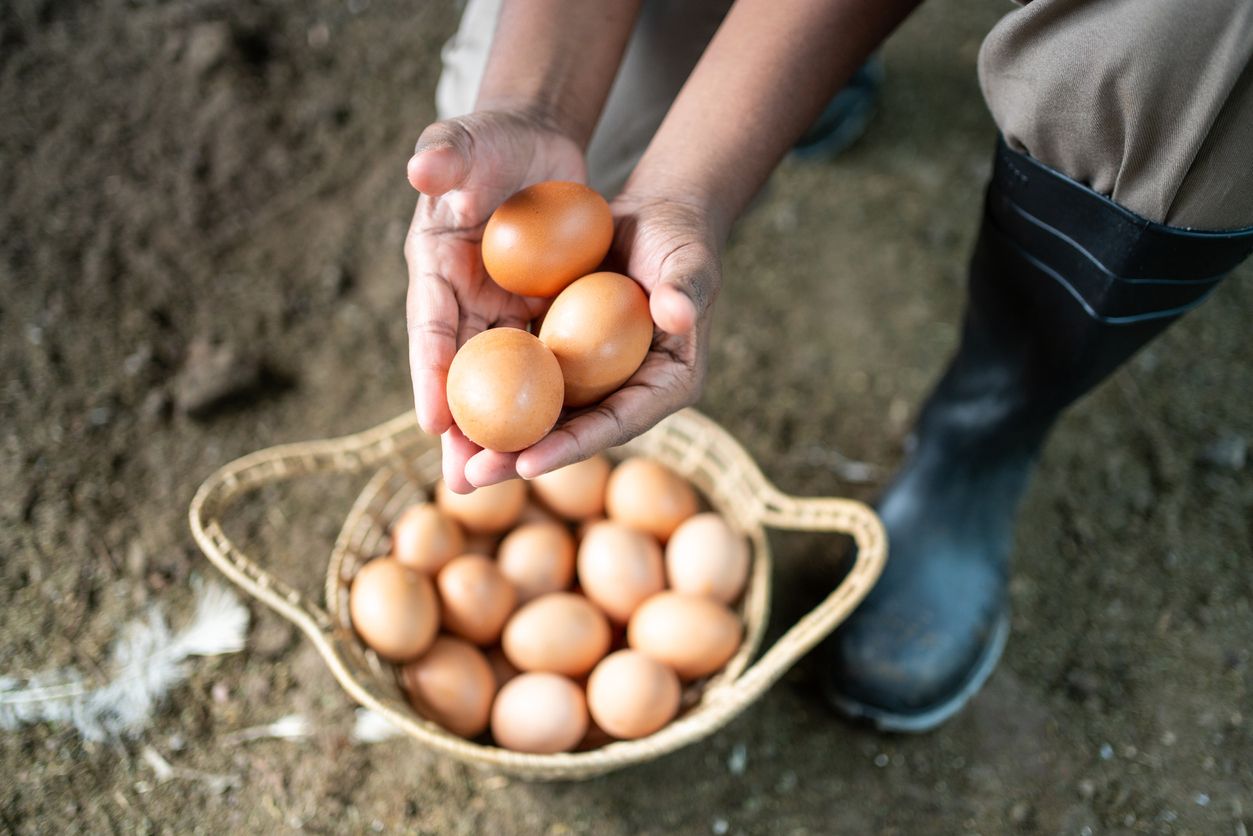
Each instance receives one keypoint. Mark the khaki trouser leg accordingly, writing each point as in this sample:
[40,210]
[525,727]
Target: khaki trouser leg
[1149,102]
[668,40]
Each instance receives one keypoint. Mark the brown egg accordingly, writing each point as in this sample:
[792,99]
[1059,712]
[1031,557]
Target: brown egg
[600,330]
[393,609]
[489,510]
[646,495]
[618,567]
[476,599]
[424,539]
[502,669]
[559,632]
[545,237]
[695,636]
[706,557]
[631,695]
[451,684]
[577,491]
[537,558]
[505,389]
[540,713]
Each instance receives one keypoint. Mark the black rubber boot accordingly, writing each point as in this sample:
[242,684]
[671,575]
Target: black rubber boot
[1065,285]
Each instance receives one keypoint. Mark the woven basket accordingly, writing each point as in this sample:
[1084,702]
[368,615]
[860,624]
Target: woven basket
[407,465]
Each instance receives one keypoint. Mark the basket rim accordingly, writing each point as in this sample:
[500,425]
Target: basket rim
[765,506]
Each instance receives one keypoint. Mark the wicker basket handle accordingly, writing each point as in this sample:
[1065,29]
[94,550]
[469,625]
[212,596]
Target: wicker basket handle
[220,491]
[778,510]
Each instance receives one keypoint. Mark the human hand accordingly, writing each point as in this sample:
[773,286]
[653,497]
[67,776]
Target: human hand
[465,168]
[670,248]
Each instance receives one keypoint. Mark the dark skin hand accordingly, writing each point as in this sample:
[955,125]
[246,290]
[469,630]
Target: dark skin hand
[723,136]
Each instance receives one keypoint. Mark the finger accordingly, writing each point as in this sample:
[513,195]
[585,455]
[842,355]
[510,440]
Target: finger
[672,310]
[685,290]
[472,323]
[616,420]
[457,450]
[487,467]
[431,310]
[442,159]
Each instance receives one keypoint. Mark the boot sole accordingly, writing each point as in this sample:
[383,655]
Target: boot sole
[930,718]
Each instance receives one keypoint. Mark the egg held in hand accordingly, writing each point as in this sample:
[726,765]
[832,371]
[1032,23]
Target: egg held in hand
[394,609]
[546,236]
[505,389]
[600,330]
[451,684]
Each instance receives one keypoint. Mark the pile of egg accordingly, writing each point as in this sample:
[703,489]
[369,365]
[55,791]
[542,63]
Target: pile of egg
[557,618]
[507,386]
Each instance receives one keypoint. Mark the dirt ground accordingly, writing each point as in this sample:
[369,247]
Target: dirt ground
[200,182]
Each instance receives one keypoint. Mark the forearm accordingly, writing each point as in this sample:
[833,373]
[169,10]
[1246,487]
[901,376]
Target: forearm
[766,75]
[557,59]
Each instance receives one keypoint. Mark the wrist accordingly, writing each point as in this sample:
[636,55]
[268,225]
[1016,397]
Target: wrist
[697,195]
[538,110]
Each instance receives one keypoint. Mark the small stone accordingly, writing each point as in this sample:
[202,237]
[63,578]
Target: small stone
[213,375]
[1020,812]
[738,761]
[138,360]
[720,826]
[1169,738]
[155,406]
[1107,751]
[220,692]
[319,35]
[1082,684]
[1201,799]
[207,46]
[98,416]
[1231,452]
[1087,788]
[881,760]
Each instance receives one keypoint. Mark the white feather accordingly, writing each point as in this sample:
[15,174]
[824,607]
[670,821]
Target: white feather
[372,727]
[291,727]
[147,660]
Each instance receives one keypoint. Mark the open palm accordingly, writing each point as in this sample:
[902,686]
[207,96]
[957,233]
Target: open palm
[666,246]
[465,168]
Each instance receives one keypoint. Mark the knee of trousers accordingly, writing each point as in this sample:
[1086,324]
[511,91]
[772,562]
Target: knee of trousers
[1148,102]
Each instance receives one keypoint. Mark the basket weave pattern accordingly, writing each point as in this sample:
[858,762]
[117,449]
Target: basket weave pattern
[407,465]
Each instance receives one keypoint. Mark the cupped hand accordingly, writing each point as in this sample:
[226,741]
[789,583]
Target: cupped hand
[670,248]
[465,168]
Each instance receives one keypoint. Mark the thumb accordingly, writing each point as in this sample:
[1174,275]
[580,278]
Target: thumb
[686,289]
[442,158]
